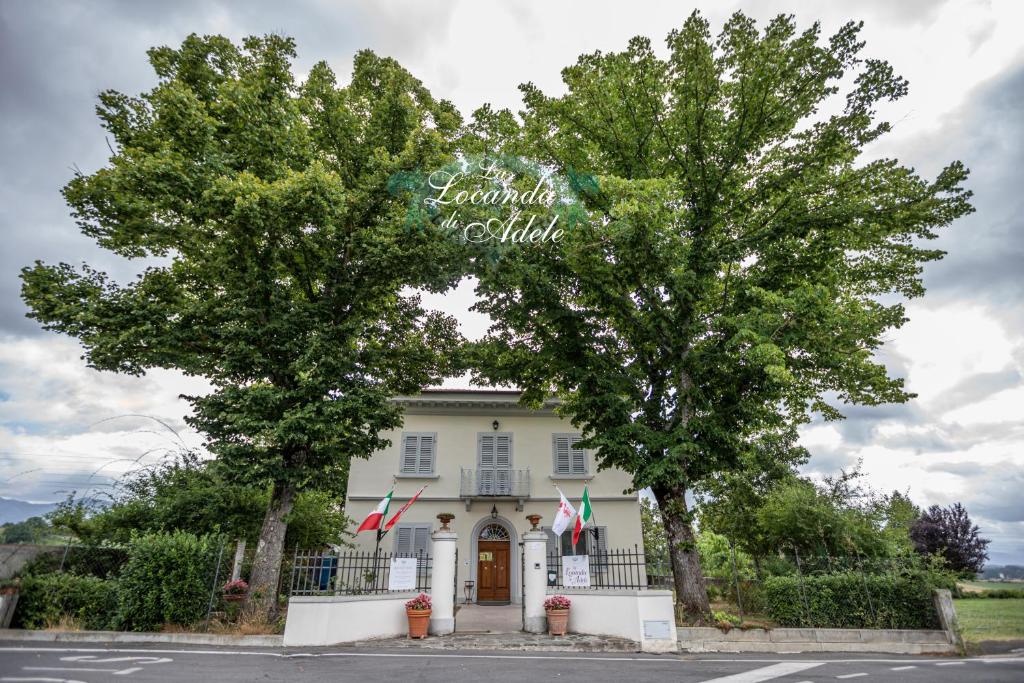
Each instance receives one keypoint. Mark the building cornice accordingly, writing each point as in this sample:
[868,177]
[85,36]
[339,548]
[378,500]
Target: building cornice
[471,402]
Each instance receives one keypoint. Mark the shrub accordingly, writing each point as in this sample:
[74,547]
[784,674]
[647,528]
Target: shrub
[45,600]
[855,600]
[420,603]
[167,580]
[557,602]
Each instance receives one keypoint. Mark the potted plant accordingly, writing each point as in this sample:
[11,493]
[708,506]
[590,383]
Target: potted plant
[235,591]
[557,608]
[418,612]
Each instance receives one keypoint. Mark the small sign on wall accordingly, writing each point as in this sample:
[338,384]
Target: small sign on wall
[657,630]
[576,571]
[402,576]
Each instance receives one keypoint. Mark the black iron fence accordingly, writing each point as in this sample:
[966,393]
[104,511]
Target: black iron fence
[623,568]
[317,572]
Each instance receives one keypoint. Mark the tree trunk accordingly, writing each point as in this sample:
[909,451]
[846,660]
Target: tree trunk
[691,591]
[266,565]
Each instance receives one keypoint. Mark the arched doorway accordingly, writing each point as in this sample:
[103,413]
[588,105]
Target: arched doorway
[494,564]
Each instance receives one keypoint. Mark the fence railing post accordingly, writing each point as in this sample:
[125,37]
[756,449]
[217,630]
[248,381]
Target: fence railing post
[213,588]
[803,590]
[736,577]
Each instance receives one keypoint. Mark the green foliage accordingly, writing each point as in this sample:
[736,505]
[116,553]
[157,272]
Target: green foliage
[741,262]
[45,599]
[283,265]
[32,530]
[653,528]
[855,600]
[194,495]
[815,522]
[717,561]
[166,580]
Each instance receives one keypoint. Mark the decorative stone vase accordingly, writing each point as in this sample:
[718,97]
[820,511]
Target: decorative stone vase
[534,520]
[419,620]
[446,518]
[558,620]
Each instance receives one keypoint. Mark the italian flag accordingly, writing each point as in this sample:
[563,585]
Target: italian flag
[372,521]
[583,518]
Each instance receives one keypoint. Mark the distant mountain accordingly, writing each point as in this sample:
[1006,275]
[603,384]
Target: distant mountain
[19,510]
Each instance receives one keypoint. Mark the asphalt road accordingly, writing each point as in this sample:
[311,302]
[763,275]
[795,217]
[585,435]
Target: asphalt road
[54,663]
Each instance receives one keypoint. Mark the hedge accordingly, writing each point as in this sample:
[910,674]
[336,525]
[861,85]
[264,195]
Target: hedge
[854,600]
[44,600]
[167,580]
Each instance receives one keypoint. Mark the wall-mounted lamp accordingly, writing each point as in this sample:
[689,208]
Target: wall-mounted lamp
[495,424]
[494,512]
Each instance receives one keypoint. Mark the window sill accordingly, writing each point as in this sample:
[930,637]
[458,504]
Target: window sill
[410,475]
[582,477]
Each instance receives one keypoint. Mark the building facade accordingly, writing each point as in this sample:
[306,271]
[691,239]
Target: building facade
[490,462]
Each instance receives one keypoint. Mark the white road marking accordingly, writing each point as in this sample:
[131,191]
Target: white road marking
[949,664]
[767,673]
[125,672]
[437,655]
[903,668]
[68,668]
[92,659]
[858,675]
[18,679]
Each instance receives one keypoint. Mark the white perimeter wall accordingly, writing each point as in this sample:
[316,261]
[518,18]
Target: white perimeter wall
[621,613]
[328,620]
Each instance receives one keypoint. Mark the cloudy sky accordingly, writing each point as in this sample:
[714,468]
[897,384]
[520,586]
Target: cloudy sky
[64,427]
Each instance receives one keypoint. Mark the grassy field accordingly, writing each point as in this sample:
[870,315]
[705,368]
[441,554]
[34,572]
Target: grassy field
[975,586]
[987,619]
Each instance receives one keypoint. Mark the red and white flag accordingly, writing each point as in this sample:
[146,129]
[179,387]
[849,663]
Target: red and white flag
[564,514]
[373,520]
[394,520]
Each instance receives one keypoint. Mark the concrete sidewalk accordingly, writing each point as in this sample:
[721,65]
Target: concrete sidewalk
[30,636]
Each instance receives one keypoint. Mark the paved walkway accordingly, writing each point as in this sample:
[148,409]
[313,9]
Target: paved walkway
[489,619]
[537,642]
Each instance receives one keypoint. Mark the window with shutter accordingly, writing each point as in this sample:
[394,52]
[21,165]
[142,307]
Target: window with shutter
[403,539]
[412,539]
[418,453]
[494,464]
[568,459]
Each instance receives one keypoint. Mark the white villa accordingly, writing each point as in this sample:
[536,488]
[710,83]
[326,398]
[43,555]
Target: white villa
[490,462]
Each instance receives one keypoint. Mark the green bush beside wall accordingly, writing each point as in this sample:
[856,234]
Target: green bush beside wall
[166,580]
[854,600]
[44,600]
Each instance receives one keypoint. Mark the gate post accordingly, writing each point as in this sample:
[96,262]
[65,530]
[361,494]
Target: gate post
[442,583]
[535,578]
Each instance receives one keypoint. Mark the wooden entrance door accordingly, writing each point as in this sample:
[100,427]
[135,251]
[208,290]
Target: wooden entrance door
[493,572]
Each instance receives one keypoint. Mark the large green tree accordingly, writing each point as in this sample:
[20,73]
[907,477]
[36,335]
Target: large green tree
[278,262]
[737,267]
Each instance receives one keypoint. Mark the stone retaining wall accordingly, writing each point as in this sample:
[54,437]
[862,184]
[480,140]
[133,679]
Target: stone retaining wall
[889,641]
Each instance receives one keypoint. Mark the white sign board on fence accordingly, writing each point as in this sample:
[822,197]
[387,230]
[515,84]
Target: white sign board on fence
[402,576]
[576,571]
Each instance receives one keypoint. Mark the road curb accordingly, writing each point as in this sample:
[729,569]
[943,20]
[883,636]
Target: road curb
[29,636]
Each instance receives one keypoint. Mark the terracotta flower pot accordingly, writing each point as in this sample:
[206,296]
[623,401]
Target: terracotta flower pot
[419,620]
[558,620]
